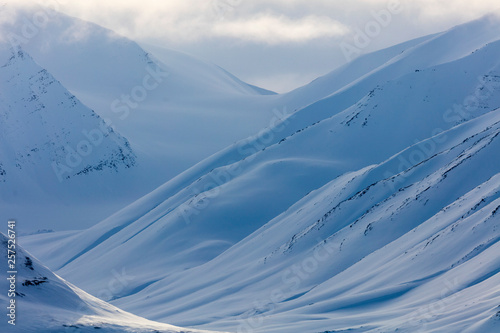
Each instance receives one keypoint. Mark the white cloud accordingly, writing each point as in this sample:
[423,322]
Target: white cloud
[279,29]
[262,21]
[258,33]
[192,20]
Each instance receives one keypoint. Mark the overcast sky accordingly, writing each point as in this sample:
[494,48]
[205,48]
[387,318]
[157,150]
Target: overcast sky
[276,44]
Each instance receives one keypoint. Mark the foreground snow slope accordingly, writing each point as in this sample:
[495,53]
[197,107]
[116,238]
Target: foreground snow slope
[46,303]
[373,209]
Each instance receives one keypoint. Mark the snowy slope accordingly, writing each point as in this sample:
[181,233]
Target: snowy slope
[38,122]
[373,209]
[364,250]
[371,69]
[49,143]
[46,303]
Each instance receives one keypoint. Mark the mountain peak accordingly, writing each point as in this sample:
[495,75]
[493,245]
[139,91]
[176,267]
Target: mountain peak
[33,101]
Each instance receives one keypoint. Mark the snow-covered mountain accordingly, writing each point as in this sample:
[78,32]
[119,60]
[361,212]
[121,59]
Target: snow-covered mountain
[49,143]
[151,102]
[373,209]
[117,123]
[40,301]
[37,119]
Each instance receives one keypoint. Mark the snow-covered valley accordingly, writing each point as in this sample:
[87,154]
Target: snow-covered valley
[365,201]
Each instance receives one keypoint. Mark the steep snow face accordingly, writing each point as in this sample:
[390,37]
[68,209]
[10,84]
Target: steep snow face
[39,117]
[41,301]
[388,171]
[48,140]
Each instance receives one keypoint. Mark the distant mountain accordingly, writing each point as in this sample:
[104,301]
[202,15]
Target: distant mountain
[393,62]
[43,302]
[49,140]
[165,108]
[373,209]
[41,123]
[80,82]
